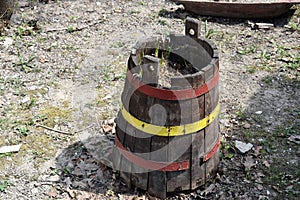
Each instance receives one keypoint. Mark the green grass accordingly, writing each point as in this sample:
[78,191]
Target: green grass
[4,184]
[246,50]
[162,12]
[251,69]
[26,64]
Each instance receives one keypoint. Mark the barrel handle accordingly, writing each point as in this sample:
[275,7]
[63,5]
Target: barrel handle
[192,28]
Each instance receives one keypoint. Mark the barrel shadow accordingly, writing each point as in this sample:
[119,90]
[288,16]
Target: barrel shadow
[83,170]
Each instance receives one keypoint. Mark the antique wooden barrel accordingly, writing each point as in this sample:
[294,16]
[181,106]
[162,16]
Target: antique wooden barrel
[167,137]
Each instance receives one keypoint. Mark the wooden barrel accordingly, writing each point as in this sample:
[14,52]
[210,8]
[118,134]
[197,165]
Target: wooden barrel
[167,138]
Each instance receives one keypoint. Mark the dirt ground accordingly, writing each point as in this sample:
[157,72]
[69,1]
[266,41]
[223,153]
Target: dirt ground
[63,67]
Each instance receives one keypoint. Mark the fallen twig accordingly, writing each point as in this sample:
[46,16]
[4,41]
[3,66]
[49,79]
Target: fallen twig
[6,11]
[63,132]
[75,28]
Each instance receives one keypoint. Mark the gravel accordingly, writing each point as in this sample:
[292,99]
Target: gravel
[63,66]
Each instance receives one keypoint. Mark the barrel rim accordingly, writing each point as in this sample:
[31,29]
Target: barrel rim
[208,45]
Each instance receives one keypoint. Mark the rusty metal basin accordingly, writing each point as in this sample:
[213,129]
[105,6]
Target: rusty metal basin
[238,9]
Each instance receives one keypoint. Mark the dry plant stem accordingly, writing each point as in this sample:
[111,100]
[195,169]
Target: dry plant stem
[4,13]
[64,132]
[75,28]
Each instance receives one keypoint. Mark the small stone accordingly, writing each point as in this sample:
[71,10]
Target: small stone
[107,97]
[258,112]
[54,178]
[259,187]
[266,163]
[34,190]
[247,125]
[32,88]
[77,172]
[243,147]
[8,42]
[218,178]
[295,139]
[25,100]
[289,187]
[80,184]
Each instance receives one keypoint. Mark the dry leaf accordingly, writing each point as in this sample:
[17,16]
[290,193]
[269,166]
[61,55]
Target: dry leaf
[266,164]
[118,11]
[107,128]
[257,150]
[276,188]
[259,174]
[43,60]
[295,139]
[249,162]
[52,194]
[208,190]
[72,193]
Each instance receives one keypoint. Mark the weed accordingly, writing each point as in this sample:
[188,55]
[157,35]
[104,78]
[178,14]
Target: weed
[4,155]
[135,12]
[268,80]
[3,122]
[37,119]
[294,26]
[208,32]
[162,12]
[66,171]
[54,172]
[285,131]
[22,130]
[156,54]
[249,175]
[251,69]
[280,174]
[143,3]
[265,55]
[247,135]
[73,18]
[118,44]
[28,28]
[241,114]
[4,184]
[28,106]
[24,30]
[227,150]
[26,64]
[162,22]
[293,63]
[246,50]
[70,29]
[292,60]
[52,114]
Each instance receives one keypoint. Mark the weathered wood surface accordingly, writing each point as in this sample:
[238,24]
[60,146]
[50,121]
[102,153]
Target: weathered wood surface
[6,8]
[255,9]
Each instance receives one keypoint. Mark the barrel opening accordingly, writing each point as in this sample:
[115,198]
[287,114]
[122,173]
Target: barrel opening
[180,62]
